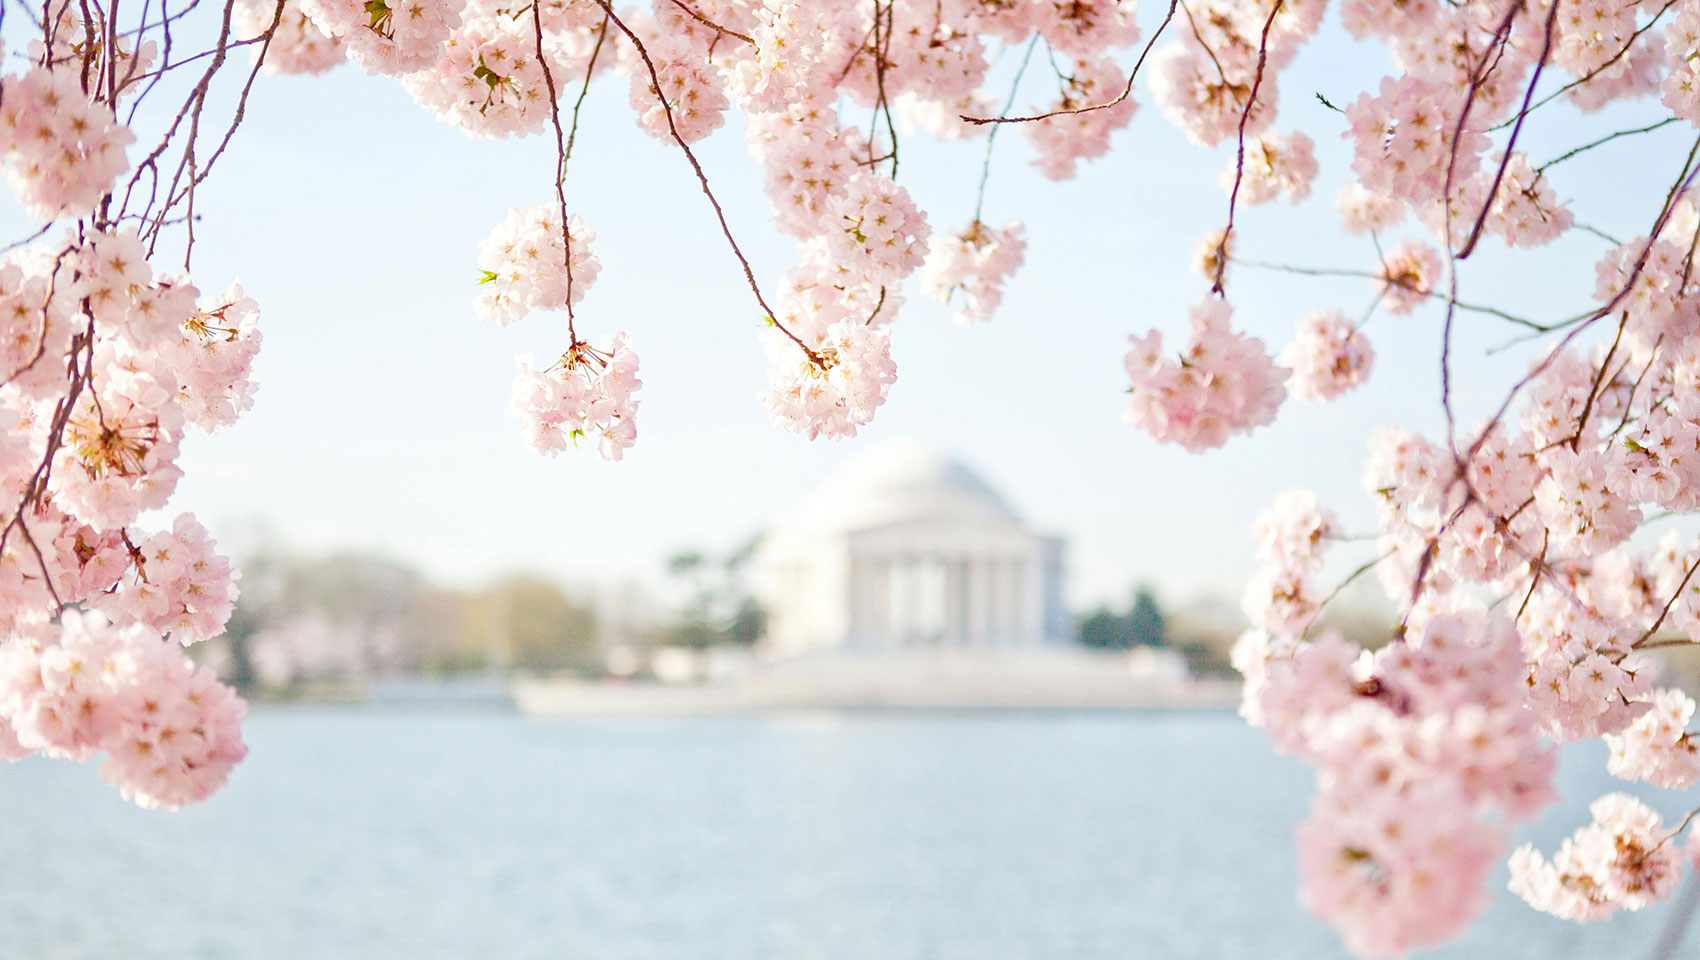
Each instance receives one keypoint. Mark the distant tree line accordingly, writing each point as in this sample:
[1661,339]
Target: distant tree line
[353,617]
[1141,625]
[719,608]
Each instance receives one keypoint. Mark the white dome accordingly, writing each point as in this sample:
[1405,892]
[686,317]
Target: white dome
[901,483]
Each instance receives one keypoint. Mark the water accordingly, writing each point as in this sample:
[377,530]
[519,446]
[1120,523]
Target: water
[452,836]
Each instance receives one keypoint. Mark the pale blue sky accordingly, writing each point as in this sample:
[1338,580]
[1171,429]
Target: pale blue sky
[352,216]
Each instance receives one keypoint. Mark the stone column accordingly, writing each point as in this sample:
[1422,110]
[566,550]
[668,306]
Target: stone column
[916,614]
[878,600]
[1009,600]
[953,596]
[861,610]
[1033,596]
[1019,634]
[902,600]
[979,601]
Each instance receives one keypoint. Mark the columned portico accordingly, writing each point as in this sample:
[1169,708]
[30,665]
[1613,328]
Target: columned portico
[908,549]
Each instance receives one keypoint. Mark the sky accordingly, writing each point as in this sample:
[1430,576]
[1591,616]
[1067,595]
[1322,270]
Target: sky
[352,216]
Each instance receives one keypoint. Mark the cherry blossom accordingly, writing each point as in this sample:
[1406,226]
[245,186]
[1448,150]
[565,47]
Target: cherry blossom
[297,46]
[834,389]
[1063,141]
[62,150]
[1328,356]
[1623,860]
[585,393]
[389,38]
[1657,746]
[525,266]
[1405,278]
[170,730]
[1223,384]
[975,263]
[1273,165]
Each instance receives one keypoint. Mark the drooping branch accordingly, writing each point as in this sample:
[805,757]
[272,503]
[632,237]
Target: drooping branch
[1216,285]
[702,179]
[1127,91]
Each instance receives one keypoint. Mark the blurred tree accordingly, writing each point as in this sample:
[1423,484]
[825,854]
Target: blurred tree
[528,623]
[351,616]
[239,633]
[1103,629]
[748,624]
[686,563]
[1142,625]
[1145,623]
[719,608]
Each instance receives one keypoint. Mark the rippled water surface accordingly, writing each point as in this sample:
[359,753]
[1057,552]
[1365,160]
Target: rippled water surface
[429,836]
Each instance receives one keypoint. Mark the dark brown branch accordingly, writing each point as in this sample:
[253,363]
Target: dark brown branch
[561,158]
[1505,157]
[1127,91]
[710,24]
[1674,597]
[1239,153]
[702,178]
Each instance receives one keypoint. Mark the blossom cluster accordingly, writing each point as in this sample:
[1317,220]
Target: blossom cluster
[1328,356]
[1539,508]
[1225,383]
[977,262]
[1529,611]
[788,67]
[837,386]
[107,360]
[526,264]
[178,585]
[1421,748]
[1292,536]
[1624,860]
[62,149]
[587,391]
[170,731]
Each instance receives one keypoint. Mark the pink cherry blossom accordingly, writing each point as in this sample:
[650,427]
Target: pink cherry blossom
[974,264]
[1328,356]
[1223,384]
[585,393]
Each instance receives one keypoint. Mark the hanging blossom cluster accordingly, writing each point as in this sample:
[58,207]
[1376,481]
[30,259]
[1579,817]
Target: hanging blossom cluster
[110,356]
[1329,355]
[1623,860]
[1537,510]
[169,731]
[1421,751]
[1530,612]
[1225,383]
[588,391]
[62,149]
[975,263]
[791,69]
[536,260]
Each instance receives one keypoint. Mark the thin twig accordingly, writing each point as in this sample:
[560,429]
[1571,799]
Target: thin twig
[702,178]
[1127,90]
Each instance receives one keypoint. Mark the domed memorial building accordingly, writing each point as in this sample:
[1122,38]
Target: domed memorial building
[908,549]
[904,582]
